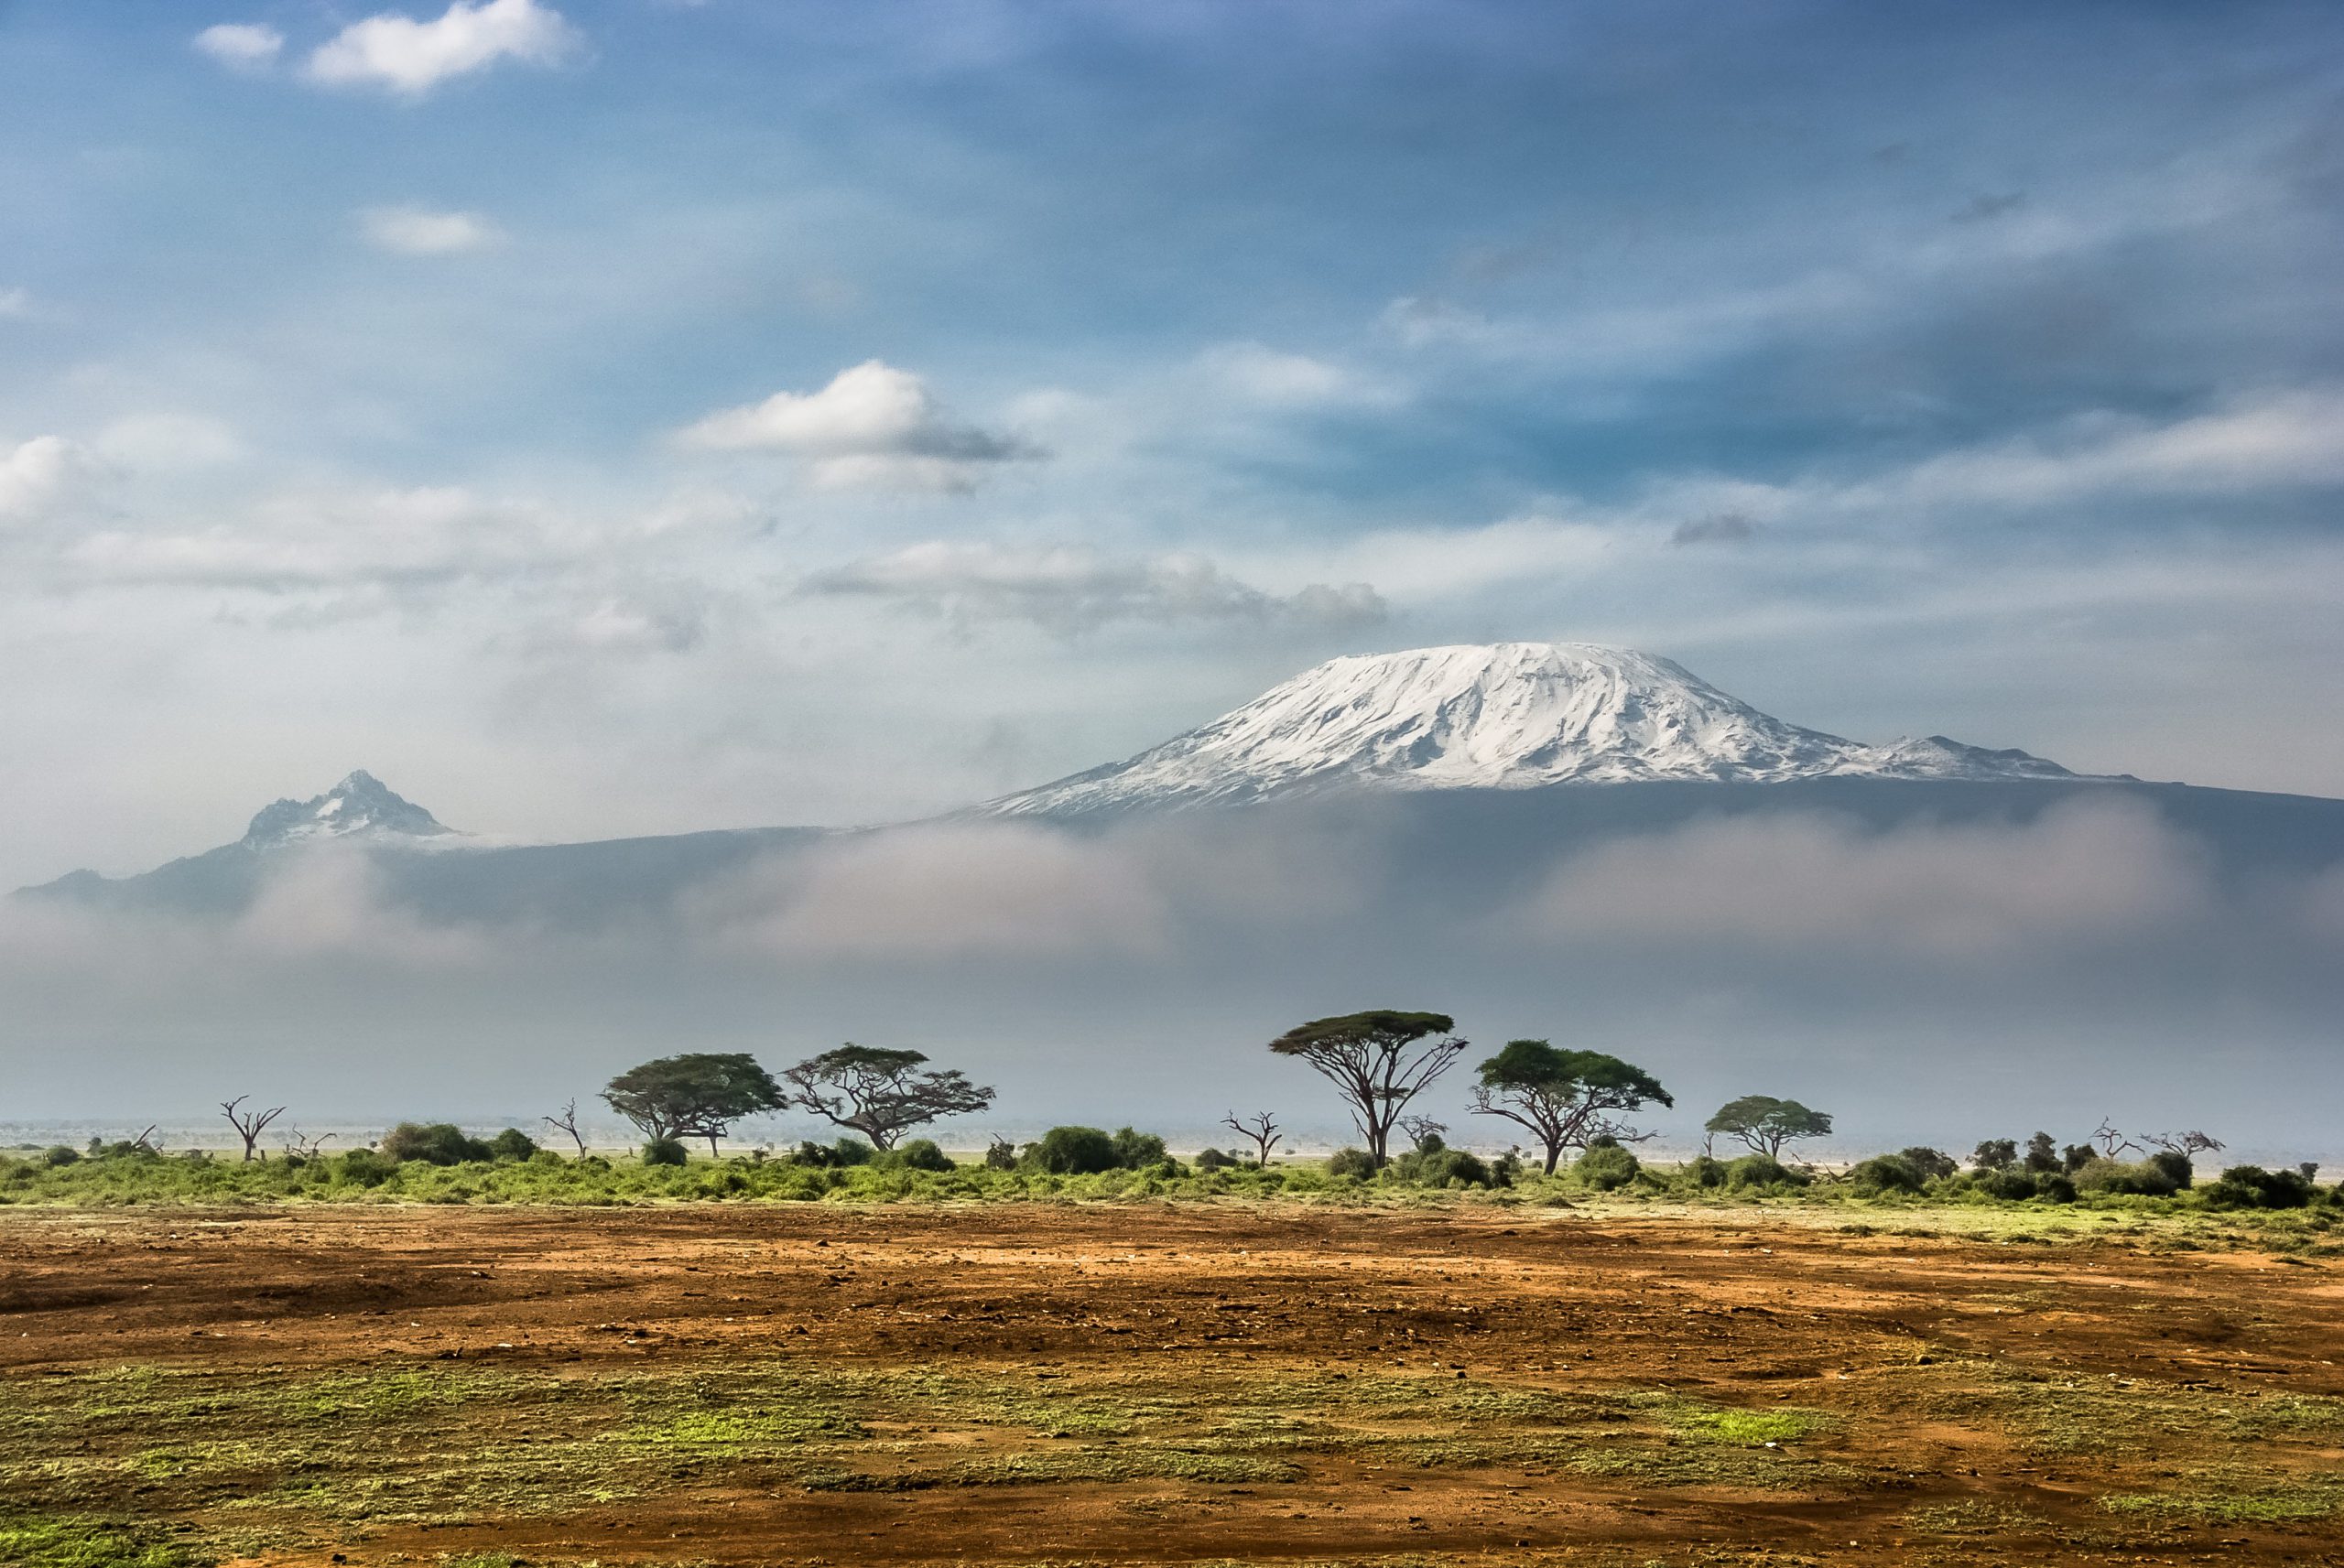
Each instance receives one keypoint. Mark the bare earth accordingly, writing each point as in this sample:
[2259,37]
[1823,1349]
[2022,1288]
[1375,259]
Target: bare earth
[1030,1383]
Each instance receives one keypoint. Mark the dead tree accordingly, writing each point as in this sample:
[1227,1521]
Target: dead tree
[147,1140]
[1261,1129]
[249,1124]
[2185,1144]
[1421,1128]
[2112,1142]
[301,1145]
[567,1122]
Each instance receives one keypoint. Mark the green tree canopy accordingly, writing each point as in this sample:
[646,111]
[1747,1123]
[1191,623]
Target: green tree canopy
[1378,1062]
[880,1093]
[696,1094]
[1565,1099]
[1767,1125]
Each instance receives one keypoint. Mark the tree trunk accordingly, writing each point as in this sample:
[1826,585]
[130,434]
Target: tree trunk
[1554,1156]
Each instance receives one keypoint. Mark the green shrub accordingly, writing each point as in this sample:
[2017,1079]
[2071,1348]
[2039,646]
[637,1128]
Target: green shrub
[60,1155]
[512,1145]
[1073,1152]
[1707,1171]
[919,1154]
[438,1143]
[2055,1187]
[2148,1178]
[362,1168]
[1137,1151]
[1000,1154]
[2010,1183]
[666,1152]
[1357,1163]
[1606,1167]
[1763,1171]
[1440,1166]
[1214,1160]
[834,1156]
[1886,1173]
[1934,1164]
[2251,1186]
[2176,1165]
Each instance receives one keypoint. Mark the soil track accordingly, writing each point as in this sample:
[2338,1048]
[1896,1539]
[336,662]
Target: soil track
[1739,1388]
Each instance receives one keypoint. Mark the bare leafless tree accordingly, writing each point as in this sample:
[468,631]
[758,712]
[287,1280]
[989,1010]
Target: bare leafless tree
[2110,1141]
[1419,1128]
[250,1124]
[567,1122]
[147,1140]
[1258,1127]
[308,1148]
[2184,1144]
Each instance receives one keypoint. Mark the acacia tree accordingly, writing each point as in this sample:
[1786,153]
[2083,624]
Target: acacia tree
[880,1093]
[1566,1099]
[249,1124]
[696,1095]
[1378,1062]
[1767,1125]
[1260,1128]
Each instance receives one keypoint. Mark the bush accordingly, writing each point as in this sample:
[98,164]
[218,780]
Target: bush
[1763,1171]
[1214,1160]
[834,1156]
[1137,1151]
[666,1152]
[1356,1163]
[438,1143]
[1606,1167]
[512,1145]
[1000,1154]
[60,1155]
[1996,1154]
[2009,1183]
[2251,1186]
[919,1154]
[2176,1165]
[1935,1165]
[1707,1171]
[364,1168]
[1887,1173]
[2055,1187]
[1440,1166]
[2148,1178]
[1073,1152]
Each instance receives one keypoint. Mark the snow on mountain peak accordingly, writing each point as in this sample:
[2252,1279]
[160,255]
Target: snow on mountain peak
[360,805]
[1505,716]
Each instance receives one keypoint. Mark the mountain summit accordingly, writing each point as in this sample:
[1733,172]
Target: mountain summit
[1505,716]
[360,805]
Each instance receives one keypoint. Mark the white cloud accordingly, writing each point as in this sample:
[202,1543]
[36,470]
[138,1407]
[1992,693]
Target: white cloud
[421,231]
[2083,872]
[1258,373]
[242,46]
[873,425]
[1071,588]
[410,58]
[16,304]
[152,441]
[35,474]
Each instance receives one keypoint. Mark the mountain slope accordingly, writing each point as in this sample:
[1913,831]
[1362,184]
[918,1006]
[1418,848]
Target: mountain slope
[1506,716]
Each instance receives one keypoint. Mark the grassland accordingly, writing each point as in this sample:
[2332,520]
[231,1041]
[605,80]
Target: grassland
[1156,1381]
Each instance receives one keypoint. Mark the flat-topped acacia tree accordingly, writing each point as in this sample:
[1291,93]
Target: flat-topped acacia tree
[1767,1126]
[1378,1062]
[880,1093]
[696,1095]
[1565,1099]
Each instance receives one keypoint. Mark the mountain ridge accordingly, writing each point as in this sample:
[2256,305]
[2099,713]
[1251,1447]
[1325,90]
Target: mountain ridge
[1496,715]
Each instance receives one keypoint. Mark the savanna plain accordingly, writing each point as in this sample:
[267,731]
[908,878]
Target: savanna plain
[1566,1379]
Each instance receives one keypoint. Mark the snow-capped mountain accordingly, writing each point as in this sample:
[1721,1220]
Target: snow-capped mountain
[1505,716]
[360,807]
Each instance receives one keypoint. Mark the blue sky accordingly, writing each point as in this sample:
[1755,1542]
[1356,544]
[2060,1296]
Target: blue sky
[639,416]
